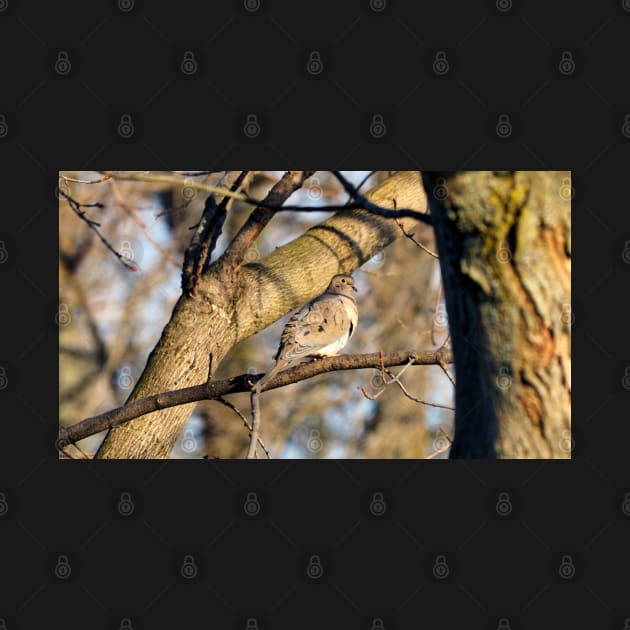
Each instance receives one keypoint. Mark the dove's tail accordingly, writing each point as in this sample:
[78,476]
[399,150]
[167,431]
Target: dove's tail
[269,375]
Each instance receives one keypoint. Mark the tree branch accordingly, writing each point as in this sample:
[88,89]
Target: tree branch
[262,214]
[204,240]
[395,379]
[255,432]
[212,390]
[359,201]
[228,404]
[410,236]
[131,213]
[95,225]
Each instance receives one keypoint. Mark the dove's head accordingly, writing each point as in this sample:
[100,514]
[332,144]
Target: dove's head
[342,284]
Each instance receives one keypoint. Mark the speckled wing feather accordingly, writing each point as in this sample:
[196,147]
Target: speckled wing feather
[320,328]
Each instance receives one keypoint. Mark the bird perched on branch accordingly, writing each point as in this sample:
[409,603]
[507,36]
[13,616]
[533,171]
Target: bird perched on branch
[319,329]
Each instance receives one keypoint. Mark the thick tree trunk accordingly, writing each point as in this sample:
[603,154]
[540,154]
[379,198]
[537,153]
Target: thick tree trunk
[236,303]
[504,240]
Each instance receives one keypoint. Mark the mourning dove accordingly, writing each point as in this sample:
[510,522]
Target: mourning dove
[319,329]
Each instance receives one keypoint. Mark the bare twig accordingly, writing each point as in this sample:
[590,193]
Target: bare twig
[446,435]
[141,224]
[442,363]
[444,448]
[260,217]
[358,200]
[242,383]
[410,361]
[139,176]
[83,453]
[194,173]
[235,409]
[253,436]
[95,225]
[81,297]
[364,180]
[438,452]
[369,396]
[85,181]
[448,374]
[418,400]
[410,236]
[395,378]
[203,242]
[62,449]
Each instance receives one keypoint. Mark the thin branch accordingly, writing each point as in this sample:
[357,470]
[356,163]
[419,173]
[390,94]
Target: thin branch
[131,212]
[384,372]
[100,351]
[262,214]
[443,364]
[446,435]
[418,400]
[364,180]
[254,435]
[439,451]
[203,242]
[211,390]
[370,396]
[95,225]
[86,181]
[235,409]
[194,173]
[410,236]
[83,453]
[358,200]
[395,378]
[139,176]
[444,448]
[410,361]
[62,450]
[241,181]
[448,374]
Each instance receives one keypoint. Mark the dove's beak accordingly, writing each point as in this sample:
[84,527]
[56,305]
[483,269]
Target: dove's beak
[355,289]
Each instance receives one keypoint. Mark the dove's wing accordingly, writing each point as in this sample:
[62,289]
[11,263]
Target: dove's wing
[320,328]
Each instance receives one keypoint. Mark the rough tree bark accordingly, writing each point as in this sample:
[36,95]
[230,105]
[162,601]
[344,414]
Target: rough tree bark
[504,240]
[235,302]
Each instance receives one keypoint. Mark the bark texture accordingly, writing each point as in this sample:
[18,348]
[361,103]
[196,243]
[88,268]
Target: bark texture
[504,240]
[235,302]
